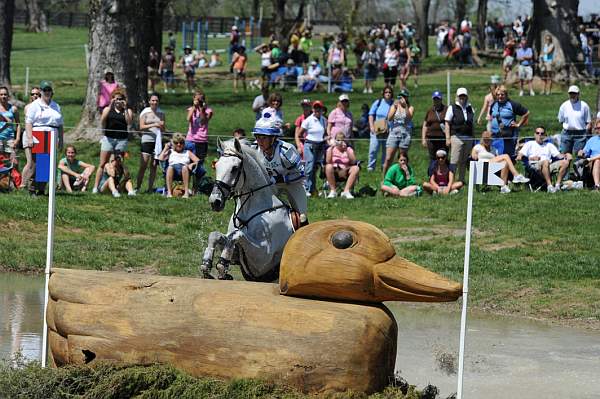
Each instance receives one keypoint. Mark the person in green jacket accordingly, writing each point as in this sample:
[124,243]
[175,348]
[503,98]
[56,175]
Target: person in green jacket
[400,179]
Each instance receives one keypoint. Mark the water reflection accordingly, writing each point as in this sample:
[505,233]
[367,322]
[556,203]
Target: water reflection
[21,309]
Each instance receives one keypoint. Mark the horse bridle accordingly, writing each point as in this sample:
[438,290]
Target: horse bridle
[227,189]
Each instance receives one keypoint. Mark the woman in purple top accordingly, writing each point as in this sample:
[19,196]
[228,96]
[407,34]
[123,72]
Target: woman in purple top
[198,116]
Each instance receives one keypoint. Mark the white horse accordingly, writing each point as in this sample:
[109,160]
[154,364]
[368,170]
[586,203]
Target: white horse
[261,223]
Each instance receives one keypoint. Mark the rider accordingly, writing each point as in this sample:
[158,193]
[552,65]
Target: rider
[282,161]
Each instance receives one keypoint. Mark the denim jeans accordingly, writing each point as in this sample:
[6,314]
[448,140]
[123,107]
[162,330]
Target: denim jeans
[313,153]
[572,141]
[375,143]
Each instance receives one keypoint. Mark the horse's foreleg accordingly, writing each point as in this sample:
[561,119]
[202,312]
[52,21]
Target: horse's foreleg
[215,238]
[225,259]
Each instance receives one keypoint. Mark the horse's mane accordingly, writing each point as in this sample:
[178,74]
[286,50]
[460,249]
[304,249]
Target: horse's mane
[247,152]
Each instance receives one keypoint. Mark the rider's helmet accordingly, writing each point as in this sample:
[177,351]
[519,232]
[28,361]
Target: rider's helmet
[269,124]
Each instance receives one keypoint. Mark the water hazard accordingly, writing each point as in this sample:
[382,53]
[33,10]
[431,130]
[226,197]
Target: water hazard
[505,357]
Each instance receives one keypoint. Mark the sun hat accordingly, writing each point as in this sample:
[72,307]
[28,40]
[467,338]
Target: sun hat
[441,153]
[573,89]
[45,84]
[344,97]
[437,94]
[462,92]
[269,124]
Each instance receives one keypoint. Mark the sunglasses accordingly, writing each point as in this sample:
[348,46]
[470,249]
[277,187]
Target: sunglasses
[36,94]
[120,99]
[541,133]
[441,157]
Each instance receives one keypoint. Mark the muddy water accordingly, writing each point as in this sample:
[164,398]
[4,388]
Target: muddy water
[506,357]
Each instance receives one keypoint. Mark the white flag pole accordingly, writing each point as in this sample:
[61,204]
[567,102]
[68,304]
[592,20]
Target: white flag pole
[463,318]
[50,240]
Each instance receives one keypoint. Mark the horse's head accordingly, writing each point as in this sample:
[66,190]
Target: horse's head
[228,171]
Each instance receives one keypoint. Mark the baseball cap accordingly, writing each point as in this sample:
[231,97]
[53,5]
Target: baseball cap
[45,84]
[404,93]
[436,94]
[441,153]
[462,92]
[573,89]
[317,104]
[306,101]
[234,27]
[313,63]
[344,97]
[108,70]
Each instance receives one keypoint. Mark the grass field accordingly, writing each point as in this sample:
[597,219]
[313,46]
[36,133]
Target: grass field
[533,254]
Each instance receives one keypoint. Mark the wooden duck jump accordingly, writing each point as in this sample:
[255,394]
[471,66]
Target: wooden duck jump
[339,337]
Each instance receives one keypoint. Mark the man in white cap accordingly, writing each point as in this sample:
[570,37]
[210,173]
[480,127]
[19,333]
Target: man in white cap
[458,130]
[282,161]
[576,119]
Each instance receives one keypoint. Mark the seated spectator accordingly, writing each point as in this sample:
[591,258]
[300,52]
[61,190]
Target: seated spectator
[181,164]
[73,173]
[215,60]
[441,177]
[486,153]
[545,159]
[400,179]
[239,134]
[202,61]
[363,129]
[341,165]
[344,84]
[116,177]
[591,152]
[290,76]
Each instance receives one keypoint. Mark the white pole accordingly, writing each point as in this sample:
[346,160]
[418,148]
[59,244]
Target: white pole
[329,79]
[50,240]
[26,96]
[260,14]
[463,318]
[448,88]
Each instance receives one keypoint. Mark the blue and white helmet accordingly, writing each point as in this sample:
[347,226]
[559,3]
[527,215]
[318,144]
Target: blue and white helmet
[269,123]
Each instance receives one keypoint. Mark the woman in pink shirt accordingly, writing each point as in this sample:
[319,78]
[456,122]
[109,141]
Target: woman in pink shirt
[340,119]
[199,114]
[107,86]
[341,165]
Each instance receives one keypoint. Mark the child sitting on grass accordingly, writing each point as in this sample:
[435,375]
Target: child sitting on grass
[441,177]
[399,180]
[116,177]
[73,173]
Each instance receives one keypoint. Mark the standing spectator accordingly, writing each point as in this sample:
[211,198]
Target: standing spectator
[504,124]
[340,163]
[370,59]
[234,41]
[415,60]
[465,55]
[198,117]
[172,40]
[404,59]
[73,174]
[265,64]
[499,34]
[378,122]
[390,64]
[508,56]
[275,102]
[306,44]
[488,100]
[313,127]
[490,36]
[591,152]
[340,119]
[116,177]
[27,145]
[167,69]
[400,180]
[181,163]
[188,63]
[215,59]
[459,131]
[153,66]
[43,114]
[336,59]
[432,133]
[260,101]
[306,105]
[575,116]
[238,66]
[152,124]
[10,126]
[544,158]
[400,116]
[105,89]
[525,60]
[441,177]
[115,121]
[441,33]
[361,125]
[546,64]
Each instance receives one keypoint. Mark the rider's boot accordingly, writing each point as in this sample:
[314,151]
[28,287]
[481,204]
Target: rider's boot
[205,268]
[223,270]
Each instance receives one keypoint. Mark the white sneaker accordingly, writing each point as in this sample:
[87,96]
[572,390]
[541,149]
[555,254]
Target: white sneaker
[365,91]
[504,189]
[370,91]
[521,93]
[520,179]
[557,187]
[453,192]
[347,195]
[116,194]
[531,93]
[95,190]
[332,194]
[551,189]
[132,193]
[578,185]
[308,195]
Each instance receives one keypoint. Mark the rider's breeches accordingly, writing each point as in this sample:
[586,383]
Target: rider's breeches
[295,193]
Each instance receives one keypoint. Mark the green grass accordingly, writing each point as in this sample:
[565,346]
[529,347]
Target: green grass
[533,254]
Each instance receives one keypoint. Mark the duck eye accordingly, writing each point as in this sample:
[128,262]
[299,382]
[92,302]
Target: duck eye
[342,239]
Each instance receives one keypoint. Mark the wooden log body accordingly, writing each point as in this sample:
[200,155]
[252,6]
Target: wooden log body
[221,329]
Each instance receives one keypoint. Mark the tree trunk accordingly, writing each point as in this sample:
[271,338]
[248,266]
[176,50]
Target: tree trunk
[421,10]
[461,11]
[481,22]
[121,33]
[7,12]
[36,17]
[559,20]
[278,19]
[256,9]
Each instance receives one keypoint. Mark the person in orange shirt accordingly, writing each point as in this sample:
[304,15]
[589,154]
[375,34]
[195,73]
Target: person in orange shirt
[238,67]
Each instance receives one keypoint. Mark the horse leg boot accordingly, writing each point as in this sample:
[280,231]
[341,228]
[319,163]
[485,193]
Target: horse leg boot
[215,238]
[226,255]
